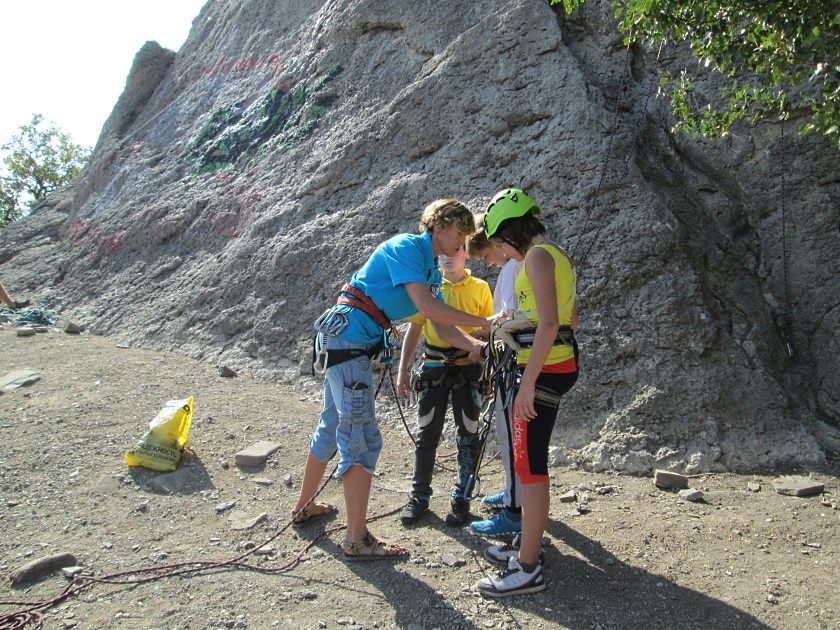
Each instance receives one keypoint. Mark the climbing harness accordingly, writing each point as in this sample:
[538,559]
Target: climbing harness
[525,338]
[447,356]
[454,379]
[335,319]
[358,299]
[322,359]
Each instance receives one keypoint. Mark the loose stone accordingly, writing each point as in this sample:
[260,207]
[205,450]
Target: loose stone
[670,480]
[256,454]
[691,494]
[568,497]
[797,486]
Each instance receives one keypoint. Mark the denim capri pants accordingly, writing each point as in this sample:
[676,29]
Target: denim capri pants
[348,424]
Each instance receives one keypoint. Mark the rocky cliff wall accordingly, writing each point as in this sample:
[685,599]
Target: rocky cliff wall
[238,183]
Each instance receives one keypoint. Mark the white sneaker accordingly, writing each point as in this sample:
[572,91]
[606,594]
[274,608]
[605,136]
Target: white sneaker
[500,554]
[514,580]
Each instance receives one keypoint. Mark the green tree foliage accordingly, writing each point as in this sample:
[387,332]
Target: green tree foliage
[36,162]
[778,56]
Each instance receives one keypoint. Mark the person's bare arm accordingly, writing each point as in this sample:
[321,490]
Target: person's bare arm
[457,338]
[432,308]
[410,341]
[540,269]
[7,299]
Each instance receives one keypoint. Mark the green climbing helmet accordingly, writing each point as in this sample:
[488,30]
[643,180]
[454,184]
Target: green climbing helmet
[507,204]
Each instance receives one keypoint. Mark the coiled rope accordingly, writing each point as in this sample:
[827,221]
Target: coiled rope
[36,317]
[30,617]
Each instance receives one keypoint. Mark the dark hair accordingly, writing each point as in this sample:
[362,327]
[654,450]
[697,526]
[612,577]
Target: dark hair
[519,231]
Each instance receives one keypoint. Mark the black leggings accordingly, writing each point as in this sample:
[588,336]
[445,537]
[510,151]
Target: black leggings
[455,383]
[531,439]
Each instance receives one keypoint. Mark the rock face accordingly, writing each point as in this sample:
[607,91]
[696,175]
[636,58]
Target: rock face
[238,183]
[149,69]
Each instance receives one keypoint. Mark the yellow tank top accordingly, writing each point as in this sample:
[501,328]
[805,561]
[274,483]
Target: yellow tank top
[564,283]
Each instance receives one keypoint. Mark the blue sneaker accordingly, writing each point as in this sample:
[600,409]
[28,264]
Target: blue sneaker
[501,523]
[497,501]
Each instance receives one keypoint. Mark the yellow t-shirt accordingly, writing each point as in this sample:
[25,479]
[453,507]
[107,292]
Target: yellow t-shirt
[564,283]
[471,295]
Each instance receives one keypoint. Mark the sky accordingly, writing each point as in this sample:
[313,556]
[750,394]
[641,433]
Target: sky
[68,61]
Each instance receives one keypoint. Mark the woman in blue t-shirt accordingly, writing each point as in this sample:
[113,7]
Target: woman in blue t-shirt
[401,278]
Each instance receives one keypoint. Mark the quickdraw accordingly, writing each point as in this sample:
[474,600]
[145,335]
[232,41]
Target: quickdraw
[390,334]
[498,379]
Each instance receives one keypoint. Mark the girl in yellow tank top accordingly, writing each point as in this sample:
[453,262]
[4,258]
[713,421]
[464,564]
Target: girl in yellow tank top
[545,289]
[564,291]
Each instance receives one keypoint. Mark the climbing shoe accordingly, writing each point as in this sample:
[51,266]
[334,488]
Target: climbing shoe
[459,510]
[499,524]
[414,509]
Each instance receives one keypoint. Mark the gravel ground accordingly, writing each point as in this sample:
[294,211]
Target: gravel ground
[623,554]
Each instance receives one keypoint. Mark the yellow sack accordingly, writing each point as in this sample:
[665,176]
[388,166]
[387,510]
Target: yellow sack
[160,448]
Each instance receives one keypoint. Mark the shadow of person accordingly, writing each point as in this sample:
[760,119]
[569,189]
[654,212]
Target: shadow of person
[400,591]
[599,589]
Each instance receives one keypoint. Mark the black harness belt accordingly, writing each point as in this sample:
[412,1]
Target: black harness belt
[337,357]
[565,336]
[447,355]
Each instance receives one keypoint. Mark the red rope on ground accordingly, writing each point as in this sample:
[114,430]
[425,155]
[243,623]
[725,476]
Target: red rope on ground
[29,618]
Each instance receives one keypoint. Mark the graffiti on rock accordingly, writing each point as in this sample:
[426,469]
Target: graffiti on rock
[236,207]
[224,66]
[277,122]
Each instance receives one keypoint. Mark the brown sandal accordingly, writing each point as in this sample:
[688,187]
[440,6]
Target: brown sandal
[353,551]
[311,512]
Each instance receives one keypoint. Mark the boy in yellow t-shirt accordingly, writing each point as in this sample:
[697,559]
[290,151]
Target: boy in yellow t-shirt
[447,373]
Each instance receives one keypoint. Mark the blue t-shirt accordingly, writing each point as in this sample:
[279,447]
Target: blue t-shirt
[401,259]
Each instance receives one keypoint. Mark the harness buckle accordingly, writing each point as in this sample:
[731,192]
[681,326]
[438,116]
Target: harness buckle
[447,356]
[319,365]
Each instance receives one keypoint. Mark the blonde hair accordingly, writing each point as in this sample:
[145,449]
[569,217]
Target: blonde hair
[477,242]
[445,212]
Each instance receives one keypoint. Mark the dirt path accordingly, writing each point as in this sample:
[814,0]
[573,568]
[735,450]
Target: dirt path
[637,557]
